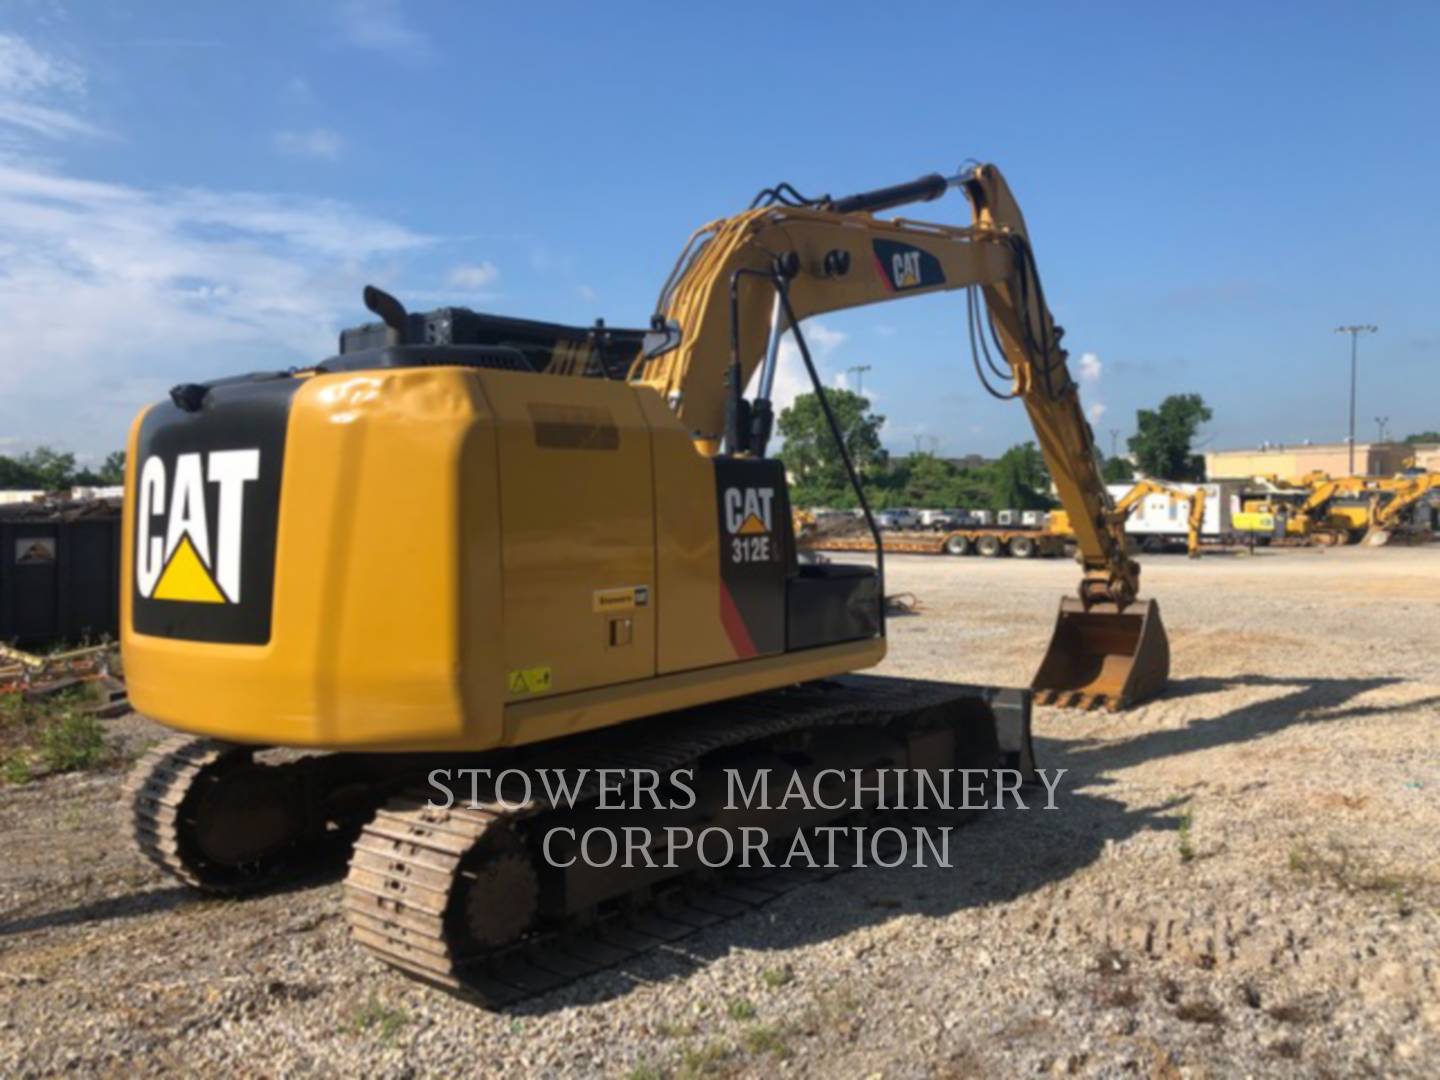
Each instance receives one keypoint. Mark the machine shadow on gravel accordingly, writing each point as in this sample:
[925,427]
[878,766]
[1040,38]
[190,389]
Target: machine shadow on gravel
[1002,856]
[1007,854]
[132,905]
[1311,701]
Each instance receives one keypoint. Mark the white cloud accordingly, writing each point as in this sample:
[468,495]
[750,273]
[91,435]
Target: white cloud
[30,83]
[319,143]
[110,294]
[25,71]
[586,293]
[381,25]
[1088,372]
[791,378]
[474,275]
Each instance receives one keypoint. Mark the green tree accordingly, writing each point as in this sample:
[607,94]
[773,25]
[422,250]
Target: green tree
[1423,437]
[15,475]
[1116,470]
[54,470]
[811,457]
[1019,480]
[113,471]
[925,481]
[1164,436]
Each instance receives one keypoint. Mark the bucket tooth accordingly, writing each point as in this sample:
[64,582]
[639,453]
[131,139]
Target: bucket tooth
[1103,656]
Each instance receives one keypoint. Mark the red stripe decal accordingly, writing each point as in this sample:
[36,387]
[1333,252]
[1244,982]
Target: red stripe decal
[880,266]
[734,625]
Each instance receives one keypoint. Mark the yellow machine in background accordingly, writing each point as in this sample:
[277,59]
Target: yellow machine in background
[1327,522]
[1345,510]
[535,545]
[1059,520]
[1405,493]
[1195,521]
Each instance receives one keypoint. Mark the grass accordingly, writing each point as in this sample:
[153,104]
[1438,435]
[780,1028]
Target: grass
[73,741]
[738,1053]
[705,1060]
[49,734]
[774,978]
[740,1009]
[12,708]
[1187,847]
[381,1020]
[832,1012]
[767,1039]
[16,768]
[1337,865]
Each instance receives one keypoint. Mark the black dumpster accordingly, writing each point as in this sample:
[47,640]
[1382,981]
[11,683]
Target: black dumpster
[59,573]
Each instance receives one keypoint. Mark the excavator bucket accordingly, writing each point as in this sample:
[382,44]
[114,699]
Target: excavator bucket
[1377,537]
[1104,657]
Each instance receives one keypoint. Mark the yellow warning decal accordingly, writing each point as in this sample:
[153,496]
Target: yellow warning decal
[185,578]
[752,526]
[534,680]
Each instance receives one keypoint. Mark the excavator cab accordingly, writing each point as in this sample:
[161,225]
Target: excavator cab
[1103,656]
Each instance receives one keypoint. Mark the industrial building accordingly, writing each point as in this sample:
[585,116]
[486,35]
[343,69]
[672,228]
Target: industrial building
[1293,461]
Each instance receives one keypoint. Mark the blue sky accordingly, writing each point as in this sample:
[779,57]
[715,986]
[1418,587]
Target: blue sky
[191,189]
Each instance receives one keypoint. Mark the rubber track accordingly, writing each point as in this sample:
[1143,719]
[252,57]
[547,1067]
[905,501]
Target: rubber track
[404,866]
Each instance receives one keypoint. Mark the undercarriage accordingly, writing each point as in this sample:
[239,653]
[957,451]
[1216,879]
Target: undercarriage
[484,875]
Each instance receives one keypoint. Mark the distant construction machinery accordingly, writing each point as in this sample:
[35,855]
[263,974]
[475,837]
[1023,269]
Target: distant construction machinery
[1332,511]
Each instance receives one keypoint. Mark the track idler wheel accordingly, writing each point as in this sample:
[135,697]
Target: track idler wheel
[209,815]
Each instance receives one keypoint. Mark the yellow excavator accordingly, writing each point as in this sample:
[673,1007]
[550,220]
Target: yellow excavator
[1388,515]
[1195,520]
[1320,518]
[523,548]
[1376,506]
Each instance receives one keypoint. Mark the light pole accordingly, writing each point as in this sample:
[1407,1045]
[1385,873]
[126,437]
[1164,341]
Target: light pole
[859,372]
[1383,422]
[1114,442]
[1354,332]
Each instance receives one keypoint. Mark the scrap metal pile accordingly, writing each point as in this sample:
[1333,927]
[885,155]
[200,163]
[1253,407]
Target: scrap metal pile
[39,676]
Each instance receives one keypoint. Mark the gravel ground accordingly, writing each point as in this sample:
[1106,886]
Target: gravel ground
[1241,878]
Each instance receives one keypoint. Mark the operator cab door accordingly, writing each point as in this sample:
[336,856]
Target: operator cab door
[577,522]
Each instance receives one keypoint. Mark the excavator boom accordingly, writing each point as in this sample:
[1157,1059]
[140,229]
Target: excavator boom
[745,281]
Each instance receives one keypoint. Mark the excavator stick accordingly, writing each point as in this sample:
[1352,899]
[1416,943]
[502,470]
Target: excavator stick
[1104,657]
